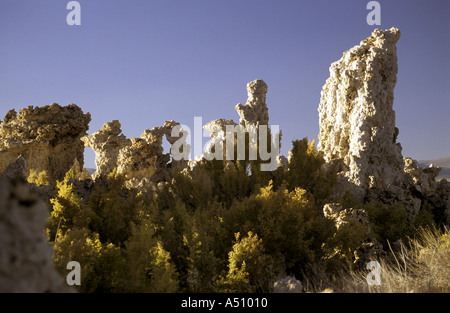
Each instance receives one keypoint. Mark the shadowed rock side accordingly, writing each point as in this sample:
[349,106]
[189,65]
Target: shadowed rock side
[26,263]
[47,137]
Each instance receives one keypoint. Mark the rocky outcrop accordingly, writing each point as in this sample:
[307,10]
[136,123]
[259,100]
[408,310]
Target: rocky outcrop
[47,137]
[288,284]
[357,220]
[106,143]
[255,110]
[141,161]
[252,115]
[144,161]
[424,179]
[358,132]
[357,120]
[26,263]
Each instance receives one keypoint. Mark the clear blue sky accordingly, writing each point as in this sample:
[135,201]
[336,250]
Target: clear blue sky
[146,61]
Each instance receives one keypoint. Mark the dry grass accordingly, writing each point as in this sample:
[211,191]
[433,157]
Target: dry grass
[422,266]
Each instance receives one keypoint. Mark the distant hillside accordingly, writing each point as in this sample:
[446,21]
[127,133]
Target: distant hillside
[444,163]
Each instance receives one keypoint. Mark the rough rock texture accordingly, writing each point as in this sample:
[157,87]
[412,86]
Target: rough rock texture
[106,144]
[422,178]
[217,130]
[340,216]
[255,111]
[357,122]
[144,160]
[368,249]
[47,137]
[141,160]
[26,263]
[288,285]
[357,128]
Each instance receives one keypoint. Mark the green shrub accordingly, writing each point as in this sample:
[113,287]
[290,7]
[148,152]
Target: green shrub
[387,222]
[307,170]
[38,178]
[250,269]
[291,228]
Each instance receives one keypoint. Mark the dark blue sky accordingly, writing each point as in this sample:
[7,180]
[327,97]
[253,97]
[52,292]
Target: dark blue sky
[146,61]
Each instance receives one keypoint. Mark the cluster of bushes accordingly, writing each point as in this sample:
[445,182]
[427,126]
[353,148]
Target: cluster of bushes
[211,229]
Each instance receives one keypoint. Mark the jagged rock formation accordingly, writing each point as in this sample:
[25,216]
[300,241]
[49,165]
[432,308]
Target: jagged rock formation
[357,122]
[357,127]
[288,284]
[140,160]
[217,129]
[106,144]
[255,111]
[144,160]
[26,263]
[252,114]
[368,249]
[47,137]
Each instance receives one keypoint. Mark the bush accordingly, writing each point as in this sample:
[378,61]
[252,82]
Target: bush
[250,269]
[39,179]
[292,230]
[149,266]
[66,205]
[387,222]
[308,171]
[100,263]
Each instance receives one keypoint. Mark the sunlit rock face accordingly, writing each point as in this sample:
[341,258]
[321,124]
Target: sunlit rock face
[140,160]
[358,132]
[255,111]
[106,143]
[47,137]
[357,121]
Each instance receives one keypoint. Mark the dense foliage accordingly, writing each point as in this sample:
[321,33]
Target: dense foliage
[215,228]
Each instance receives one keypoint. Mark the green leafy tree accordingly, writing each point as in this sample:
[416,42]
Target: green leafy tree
[425,218]
[149,265]
[307,170]
[101,264]
[112,209]
[66,205]
[291,228]
[250,268]
[201,262]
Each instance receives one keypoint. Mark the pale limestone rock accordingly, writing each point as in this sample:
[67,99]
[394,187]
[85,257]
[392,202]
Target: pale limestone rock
[255,111]
[137,161]
[47,137]
[288,284]
[106,143]
[358,133]
[144,163]
[26,263]
[253,114]
[422,178]
[217,129]
[357,122]
[340,216]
